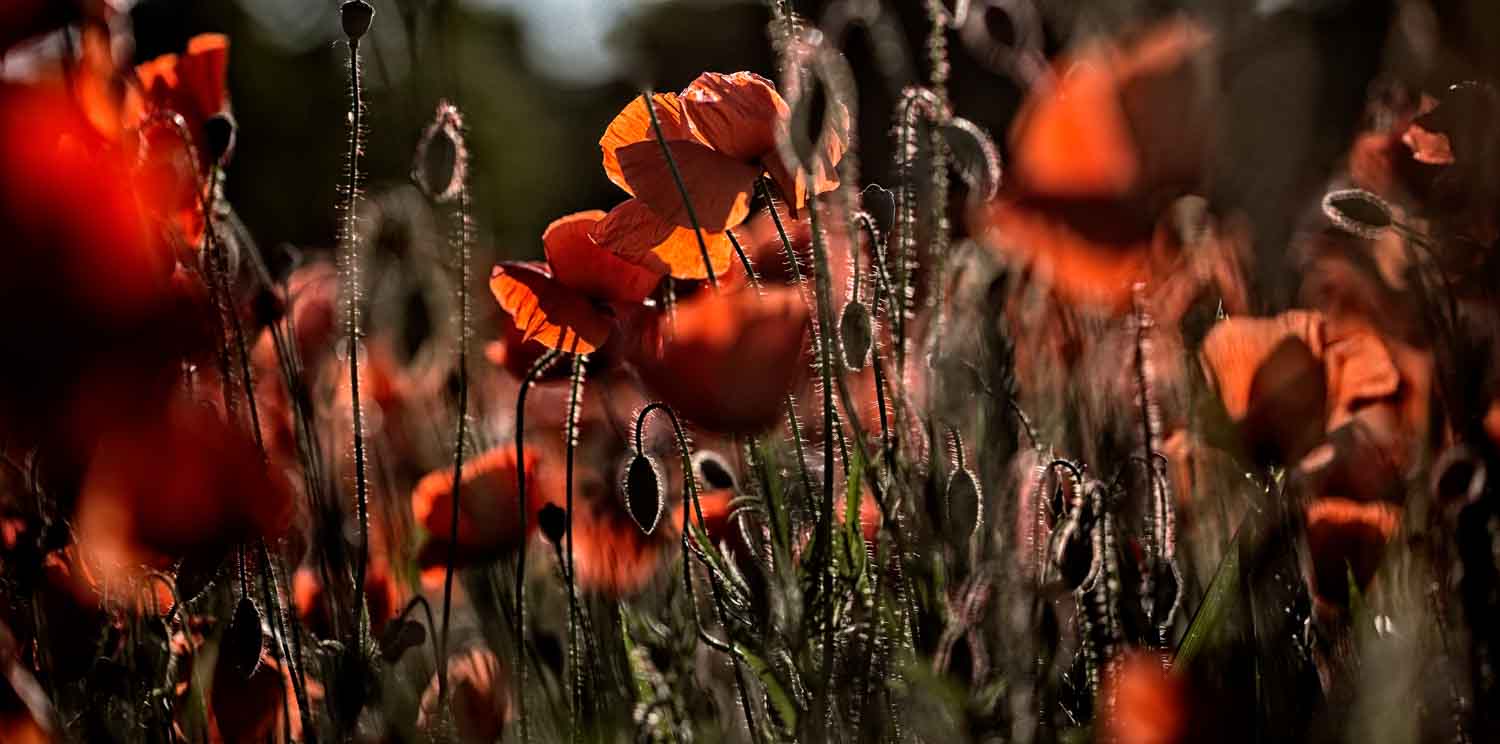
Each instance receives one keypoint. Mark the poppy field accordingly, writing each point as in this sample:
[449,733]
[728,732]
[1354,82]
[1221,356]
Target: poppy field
[820,371]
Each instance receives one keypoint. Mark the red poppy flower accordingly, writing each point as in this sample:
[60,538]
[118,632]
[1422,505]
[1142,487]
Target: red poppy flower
[722,132]
[174,481]
[1097,156]
[193,85]
[614,558]
[383,597]
[488,525]
[729,359]
[1148,705]
[563,304]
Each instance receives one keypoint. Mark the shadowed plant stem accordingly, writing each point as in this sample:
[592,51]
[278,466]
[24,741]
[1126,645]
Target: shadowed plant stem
[351,293]
[575,399]
[458,439]
[687,202]
[536,370]
[824,288]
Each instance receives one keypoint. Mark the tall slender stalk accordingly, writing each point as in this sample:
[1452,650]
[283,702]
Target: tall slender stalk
[464,249]
[575,398]
[687,202]
[531,375]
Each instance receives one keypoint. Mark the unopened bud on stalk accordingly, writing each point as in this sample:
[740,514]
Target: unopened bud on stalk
[645,494]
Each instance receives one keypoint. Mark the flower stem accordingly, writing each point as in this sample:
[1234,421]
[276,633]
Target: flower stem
[351,319]
[687,203]
[531,375]
[458,438]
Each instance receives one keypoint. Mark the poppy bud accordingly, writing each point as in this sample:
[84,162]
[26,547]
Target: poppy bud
[963,503]
[975,157]
[219,136]
[1358,211]
[856,335]
[1073,556]
[553,520]
[442,162]
[400,636]
[356,15]
[645,491]
[712,471]
[241,647]
[267,307]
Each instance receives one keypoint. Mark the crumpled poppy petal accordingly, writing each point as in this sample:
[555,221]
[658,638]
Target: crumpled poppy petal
[720,186]
[790,182]
[633,125]
[1235,349]
[1269,373]
[548,312]
[580,263]
[1360,370]
[479,705]
[737,114]
[636,234]
[729,359]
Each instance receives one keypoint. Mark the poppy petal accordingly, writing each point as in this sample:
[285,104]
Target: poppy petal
[488,524]
[1074,140]
[580,263]
[638,235]
[203,73]
[633,125]
[546,311]
[720,186]
[737,114]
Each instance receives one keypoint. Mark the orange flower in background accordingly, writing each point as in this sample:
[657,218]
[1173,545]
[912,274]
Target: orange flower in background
[1147,704]
[614,558]
[174,481]
[729,359]
[722,131]
[480,690]
[563,304]
[193,85]
[1096,158]
[488,525]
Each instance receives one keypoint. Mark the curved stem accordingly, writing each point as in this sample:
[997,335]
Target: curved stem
[744,261]
[687,202]
[531,375]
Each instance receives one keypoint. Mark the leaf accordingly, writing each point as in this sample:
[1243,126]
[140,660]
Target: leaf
[1222,594]
[785,709]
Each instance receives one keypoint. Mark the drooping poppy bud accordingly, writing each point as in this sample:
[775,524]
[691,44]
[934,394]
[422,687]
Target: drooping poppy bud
[356,15]
[645,491]
[963,503]
[1358,211]
[242,644]
[553,521]
[398,637]
[712,471]
[856,335]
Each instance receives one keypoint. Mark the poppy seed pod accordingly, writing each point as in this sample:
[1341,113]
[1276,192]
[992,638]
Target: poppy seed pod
[712,471]
[645,491]
[553,521]
[219,136]
[356,16]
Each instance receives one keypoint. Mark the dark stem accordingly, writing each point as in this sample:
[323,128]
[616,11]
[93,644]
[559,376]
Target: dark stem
[531,375]
[575,396]
[458,442]
[361,487]
[687,202]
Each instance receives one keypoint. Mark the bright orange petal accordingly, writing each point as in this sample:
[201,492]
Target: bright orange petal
[203,72]
[1236,349]
[737,114]
[488,524]
[548,312]
[1074,139]
[638,235]
[1088,264]
[582,264]
[633,125]
[720,186]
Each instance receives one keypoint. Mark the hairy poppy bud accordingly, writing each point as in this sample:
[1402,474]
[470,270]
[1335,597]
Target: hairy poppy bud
[241,647]
[553,520]
[645,491]
[712,471]
[856,335]
[400,636]
[963,503]
[1358,211]
[219,136]
[356,15]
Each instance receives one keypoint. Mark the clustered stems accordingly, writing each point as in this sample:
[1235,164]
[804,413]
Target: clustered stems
[532,374]
[647,96]
[351,322]
[692,507]
[823,286]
